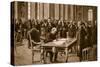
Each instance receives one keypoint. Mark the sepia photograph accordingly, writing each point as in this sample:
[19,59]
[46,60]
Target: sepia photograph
[49,33]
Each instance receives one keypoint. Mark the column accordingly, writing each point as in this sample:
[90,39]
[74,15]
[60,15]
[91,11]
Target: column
[38,10]
[75,13]
[29,17]
[69,12]
[52,10]
[66,12]
[16,13]
[72,13]
[56,11]
[46,11]
[61,11]
[82,12]
[32,9]
[41,11]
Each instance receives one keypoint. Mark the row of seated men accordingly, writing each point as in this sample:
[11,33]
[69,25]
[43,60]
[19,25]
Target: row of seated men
[49,30]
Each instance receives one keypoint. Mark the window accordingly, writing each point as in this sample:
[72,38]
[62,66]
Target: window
[90,15]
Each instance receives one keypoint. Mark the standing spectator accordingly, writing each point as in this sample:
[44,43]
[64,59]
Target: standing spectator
[63,30]
[82,38]
[24,29]
[18,28]
[89,35]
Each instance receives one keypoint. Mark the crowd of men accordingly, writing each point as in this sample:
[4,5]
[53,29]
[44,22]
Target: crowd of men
[45,26]
[51,29]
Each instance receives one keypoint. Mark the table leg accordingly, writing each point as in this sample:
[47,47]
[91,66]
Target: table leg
[42,55]
[66,53]
[53,50]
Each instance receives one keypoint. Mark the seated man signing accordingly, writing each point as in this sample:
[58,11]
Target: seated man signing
[51,37]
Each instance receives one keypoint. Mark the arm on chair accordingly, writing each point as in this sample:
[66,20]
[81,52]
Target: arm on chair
[35,42]
[32,41]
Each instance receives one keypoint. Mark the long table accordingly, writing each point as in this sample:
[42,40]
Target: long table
[57,45]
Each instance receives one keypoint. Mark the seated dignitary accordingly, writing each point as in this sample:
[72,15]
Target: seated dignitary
[51,37]
[52,34]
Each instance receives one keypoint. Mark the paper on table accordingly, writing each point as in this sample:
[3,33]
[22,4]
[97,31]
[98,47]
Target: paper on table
[59,42]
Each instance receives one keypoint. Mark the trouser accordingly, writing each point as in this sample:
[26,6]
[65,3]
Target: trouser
[51,56]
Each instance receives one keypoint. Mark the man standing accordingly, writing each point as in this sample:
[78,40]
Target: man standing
[82,39]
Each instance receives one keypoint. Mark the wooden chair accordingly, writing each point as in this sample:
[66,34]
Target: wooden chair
[86,54]
[36,52]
